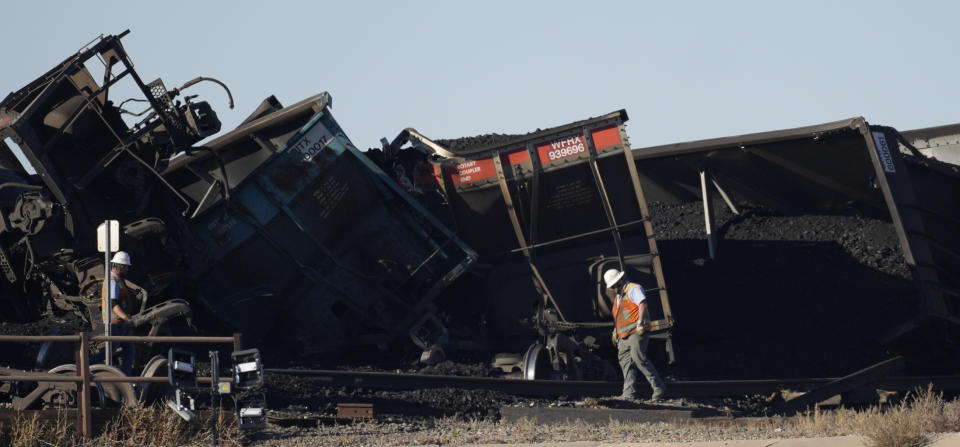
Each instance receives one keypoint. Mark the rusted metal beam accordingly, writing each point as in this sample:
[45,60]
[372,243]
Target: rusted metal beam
[518,231]
[237,341]
[864,376]
[116,338]
[92,379]
[604,197]
[38,338]
[355,410]
[162,339]
[651,238]
[40,378]
[86,424]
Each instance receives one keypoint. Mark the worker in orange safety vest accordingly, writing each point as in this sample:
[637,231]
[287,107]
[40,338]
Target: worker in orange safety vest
[124,306]
[632,320]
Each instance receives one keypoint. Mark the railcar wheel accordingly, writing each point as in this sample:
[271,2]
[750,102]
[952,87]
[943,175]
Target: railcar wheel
[151,392]
[536,363]
[106,393]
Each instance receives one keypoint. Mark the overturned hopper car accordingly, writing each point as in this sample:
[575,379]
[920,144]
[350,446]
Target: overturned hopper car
[307,242]
[827,185]
[831,225]
[86,159]
[549,212]
[281,229]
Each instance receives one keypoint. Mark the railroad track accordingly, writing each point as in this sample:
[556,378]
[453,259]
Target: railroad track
[543,388]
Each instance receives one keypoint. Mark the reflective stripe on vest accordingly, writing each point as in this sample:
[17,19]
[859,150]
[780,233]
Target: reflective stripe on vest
[627,314]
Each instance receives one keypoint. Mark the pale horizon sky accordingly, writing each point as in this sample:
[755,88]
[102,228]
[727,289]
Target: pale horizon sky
[683,70]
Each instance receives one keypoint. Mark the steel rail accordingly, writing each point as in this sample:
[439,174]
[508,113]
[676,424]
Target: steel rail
[707,388]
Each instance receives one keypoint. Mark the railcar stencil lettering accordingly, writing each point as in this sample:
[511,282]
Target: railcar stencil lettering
[884,152]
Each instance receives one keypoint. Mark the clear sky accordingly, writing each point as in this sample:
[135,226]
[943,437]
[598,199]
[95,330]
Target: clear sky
[682,70]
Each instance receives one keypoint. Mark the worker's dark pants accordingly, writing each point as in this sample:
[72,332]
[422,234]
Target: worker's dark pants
[632,353]
[126,360]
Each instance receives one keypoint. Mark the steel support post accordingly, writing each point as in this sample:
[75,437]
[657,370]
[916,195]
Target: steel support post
[237,341]
[708,215]
[214,394]
[723,194]
[604,197]
[515,220]
[651,239]
[83,369]
[107,310]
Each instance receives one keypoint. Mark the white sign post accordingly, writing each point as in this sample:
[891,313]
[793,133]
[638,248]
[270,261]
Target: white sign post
[108,241]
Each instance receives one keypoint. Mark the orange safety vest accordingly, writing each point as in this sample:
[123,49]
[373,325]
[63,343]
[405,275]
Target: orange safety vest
[123,296]
[629,315]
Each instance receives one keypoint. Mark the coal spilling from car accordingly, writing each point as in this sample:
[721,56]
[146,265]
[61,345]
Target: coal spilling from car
[482,256]
[785,296]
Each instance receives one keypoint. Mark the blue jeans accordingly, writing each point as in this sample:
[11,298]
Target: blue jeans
[127,358]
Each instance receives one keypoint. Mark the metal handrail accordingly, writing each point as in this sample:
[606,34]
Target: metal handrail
[85,378]
[78,379]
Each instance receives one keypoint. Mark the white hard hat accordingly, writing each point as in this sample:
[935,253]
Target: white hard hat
[610,277]
[121,257]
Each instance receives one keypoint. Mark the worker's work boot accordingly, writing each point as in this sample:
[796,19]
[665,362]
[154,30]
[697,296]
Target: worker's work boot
[657,395]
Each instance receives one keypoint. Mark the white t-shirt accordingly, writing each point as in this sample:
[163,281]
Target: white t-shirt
[635,294]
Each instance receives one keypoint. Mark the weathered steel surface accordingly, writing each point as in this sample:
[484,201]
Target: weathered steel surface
[279,227]
[558,207]
[313,238]
[354,410]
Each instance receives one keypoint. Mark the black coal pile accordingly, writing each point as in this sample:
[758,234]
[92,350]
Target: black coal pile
[468,143]
[785,296]
[67,323]
[454,368]
[25,354]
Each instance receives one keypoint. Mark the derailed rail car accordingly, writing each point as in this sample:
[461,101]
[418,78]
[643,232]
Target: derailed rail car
[306,242]
[549,212]
[843,168]
[84,163]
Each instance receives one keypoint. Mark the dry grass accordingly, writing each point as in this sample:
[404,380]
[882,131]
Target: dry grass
[32,432]
[143,426]
[912,423]
[147,426]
